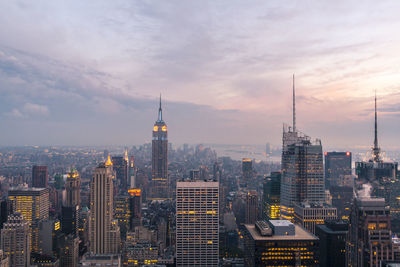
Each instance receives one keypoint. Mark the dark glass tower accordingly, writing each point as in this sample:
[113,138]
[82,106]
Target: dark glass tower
[272,196]
[40,176]
[337,168]
[120,166]
[160,183]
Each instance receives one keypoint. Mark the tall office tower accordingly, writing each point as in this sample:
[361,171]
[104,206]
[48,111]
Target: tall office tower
[120,165]
[70,220]
[72,189]
[302,169]
[338,169]
[332,243]
[40,176]
[197,226]
[15,240]
[310,215]
[369,239]
[251,207]
[135,207]
[83,229]
[101,208]
[160,181]
[132,173]
[122,212]
[71,204]
[33,204]
[3,212]
[50,237]
[279,243]
[342,198]
[247,170]
[272,196]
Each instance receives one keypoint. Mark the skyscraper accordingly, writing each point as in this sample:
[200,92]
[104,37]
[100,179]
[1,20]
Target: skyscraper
[120,165]
[337,168]
[40,176]
[251,207]
[302,169]
[272,196]
[247,170]
[71,206]
[72,189]
[101,209]
[382,175]
[369,238]
[15,240]
[135,207]
[33,204]
[159,181]
[132,173]
[197,223]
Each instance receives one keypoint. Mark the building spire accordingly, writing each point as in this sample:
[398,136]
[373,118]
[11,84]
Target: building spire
[376,150]
[294,107]
[160,111]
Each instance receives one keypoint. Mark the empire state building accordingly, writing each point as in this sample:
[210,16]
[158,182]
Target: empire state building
[160,182]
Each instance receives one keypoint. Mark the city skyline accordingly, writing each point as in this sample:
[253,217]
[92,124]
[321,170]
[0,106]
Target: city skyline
[215,74]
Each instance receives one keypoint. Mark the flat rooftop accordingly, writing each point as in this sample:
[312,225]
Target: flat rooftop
[277,223]
[300,234]
[371,202]
[197,183]
[23,188]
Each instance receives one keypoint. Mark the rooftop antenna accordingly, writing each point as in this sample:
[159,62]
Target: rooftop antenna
[376,149]
[294,107]
[160,111]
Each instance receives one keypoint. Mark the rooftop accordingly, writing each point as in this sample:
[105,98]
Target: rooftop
[197,183]
[24,188]
[301,234]
[371,202]
[277,223]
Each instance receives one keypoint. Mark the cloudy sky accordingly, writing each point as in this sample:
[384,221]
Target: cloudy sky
[90,72]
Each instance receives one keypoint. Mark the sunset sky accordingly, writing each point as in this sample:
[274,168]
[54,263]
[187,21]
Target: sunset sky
[90,72]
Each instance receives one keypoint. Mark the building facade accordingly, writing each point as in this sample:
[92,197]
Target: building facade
[310,215]
[332,243]
[15,240]
[120,165]
[251,207]
[33,204]
[369,238]
[247,170]
[40,176]
[337,168]
[197,223]
[272,196]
